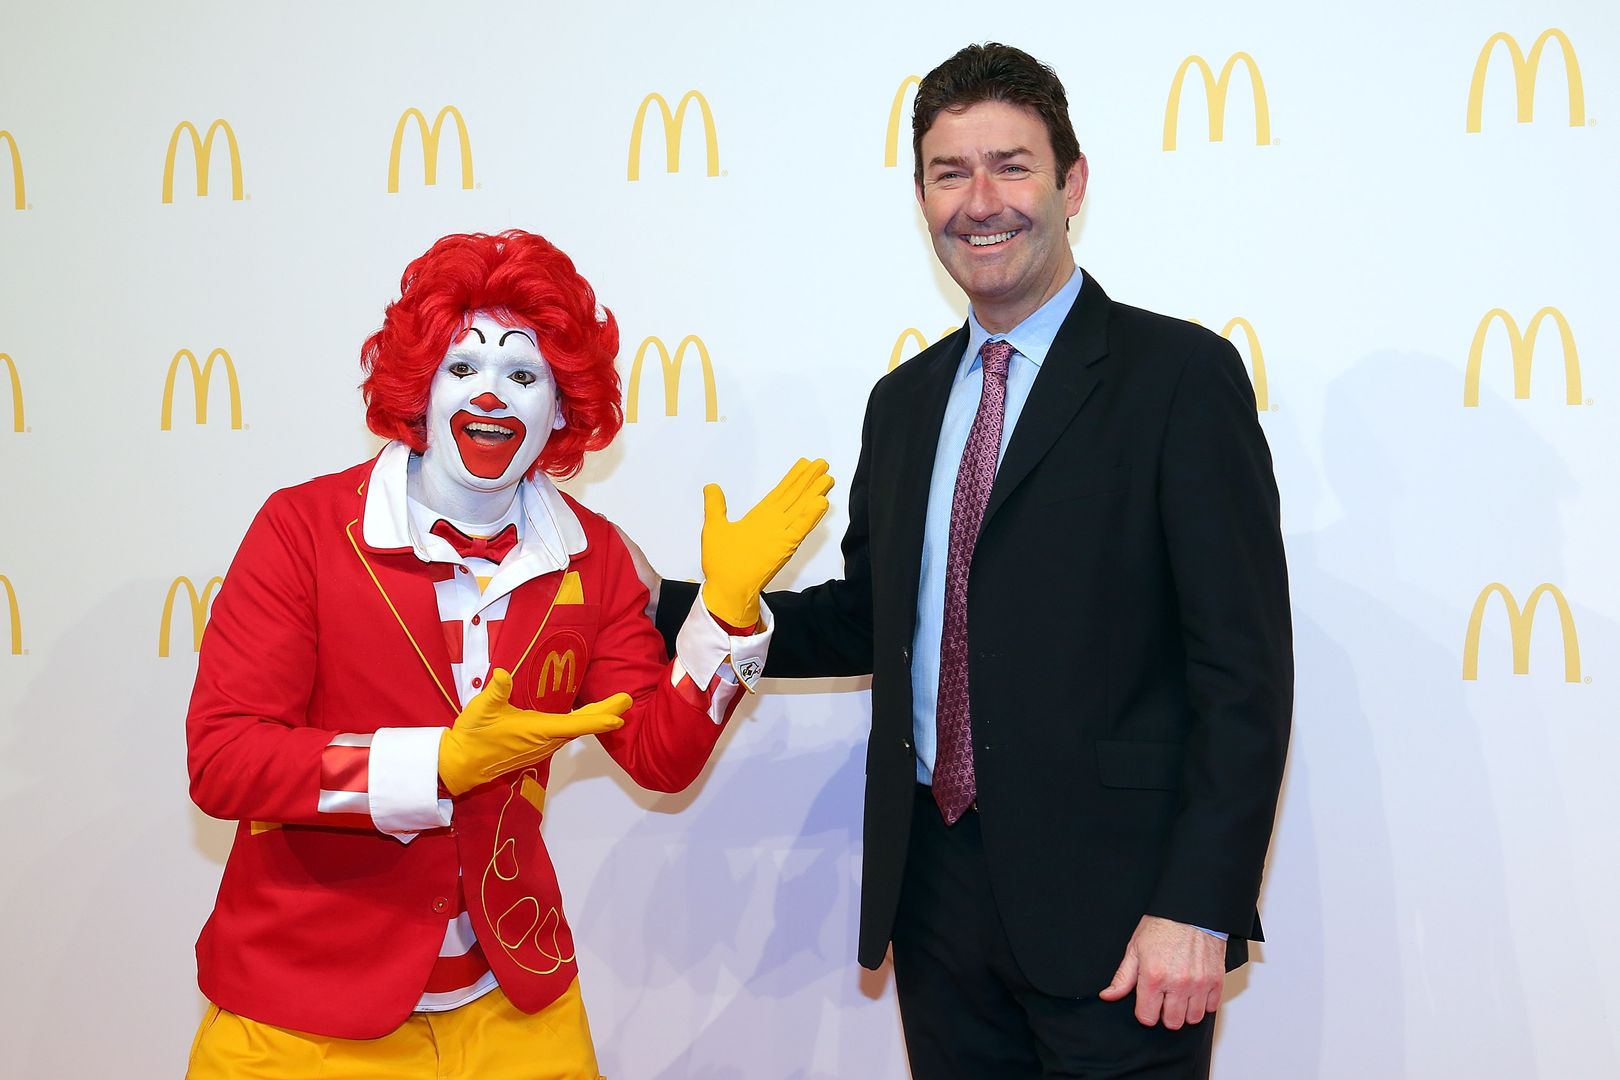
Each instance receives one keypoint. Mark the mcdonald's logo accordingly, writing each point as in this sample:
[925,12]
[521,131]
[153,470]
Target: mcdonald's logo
[19,195]
[1257,360]
[673,123]
[1215,96]
[1523,346]
[891,147]
[430,147]
[671,368]
[912,335]
[1520,622]
[1524,77]
[202,147]
[199,611]
[560,671]
[17,423]
[16,616]
[200,378]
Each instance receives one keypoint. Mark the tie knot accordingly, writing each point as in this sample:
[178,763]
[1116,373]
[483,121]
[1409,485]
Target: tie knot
[493,548]
[996,355]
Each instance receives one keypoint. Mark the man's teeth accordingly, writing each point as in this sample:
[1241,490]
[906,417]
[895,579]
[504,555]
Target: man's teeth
[993,238]
[488,429]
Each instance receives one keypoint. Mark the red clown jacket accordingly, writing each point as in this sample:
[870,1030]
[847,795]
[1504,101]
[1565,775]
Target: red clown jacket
[323,923]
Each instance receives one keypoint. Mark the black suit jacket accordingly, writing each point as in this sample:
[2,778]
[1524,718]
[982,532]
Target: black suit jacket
[1130,650]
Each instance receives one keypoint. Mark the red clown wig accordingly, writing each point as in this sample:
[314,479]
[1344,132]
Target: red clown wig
[523,280]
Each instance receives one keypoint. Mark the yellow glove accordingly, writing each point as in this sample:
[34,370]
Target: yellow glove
[490,737]
[741,557]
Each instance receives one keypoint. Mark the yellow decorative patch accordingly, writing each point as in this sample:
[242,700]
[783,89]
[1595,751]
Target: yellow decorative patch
[257,827]
[570,592]
[534,793]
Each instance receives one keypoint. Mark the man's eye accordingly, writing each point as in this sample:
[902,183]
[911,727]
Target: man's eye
[523,378]
[460,369]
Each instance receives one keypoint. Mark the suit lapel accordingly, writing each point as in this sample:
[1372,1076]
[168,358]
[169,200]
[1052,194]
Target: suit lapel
[408,594]
[1065,381]
[910,490]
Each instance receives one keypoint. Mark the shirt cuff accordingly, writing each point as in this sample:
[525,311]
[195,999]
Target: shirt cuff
[403,782]
[704,649]
[1213,933]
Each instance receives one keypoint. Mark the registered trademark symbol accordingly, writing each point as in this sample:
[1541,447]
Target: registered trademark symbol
[1592,122]
[1276,142]
[30,206]
[725,172]
[722,419]
[1587,680]
[479,185]
[249,196]
[1589,401]
[247,427]
[28,430]
[1276,408]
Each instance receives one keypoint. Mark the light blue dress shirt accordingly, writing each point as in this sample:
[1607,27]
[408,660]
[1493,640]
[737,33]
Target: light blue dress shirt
[1031,340]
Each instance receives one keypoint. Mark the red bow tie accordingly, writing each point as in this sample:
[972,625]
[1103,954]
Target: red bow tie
[492,548]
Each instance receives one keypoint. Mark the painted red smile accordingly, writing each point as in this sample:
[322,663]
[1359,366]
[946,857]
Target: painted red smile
[487,443]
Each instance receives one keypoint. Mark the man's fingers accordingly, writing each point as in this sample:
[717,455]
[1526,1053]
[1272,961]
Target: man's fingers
[1195,1007]
[1124,979]
[714,504]
[1213,1000]
[499,688]
[800,479]
[1149,1003]
[809,515]
[617,705]
[1174,1009]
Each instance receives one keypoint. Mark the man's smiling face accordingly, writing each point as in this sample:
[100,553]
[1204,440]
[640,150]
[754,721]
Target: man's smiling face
[995,211]
[491,407]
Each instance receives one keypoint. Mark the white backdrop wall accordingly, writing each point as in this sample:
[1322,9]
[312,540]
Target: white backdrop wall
[1441,892]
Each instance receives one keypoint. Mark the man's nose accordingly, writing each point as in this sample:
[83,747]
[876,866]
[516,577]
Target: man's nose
[488,402]
[984,198]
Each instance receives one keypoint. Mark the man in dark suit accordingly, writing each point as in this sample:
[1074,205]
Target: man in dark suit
[1077,628]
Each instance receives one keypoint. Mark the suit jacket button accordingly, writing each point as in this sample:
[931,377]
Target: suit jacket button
[905,654]
[441,904]
[907,744]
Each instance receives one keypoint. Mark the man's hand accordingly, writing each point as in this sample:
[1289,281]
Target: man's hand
[490,737]
[644,572]
[1178,972]
[741,557]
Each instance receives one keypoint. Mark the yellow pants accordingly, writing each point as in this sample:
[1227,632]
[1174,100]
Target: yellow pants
[487,1039]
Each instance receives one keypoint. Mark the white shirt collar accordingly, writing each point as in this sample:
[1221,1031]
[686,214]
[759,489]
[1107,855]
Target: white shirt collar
[549,533]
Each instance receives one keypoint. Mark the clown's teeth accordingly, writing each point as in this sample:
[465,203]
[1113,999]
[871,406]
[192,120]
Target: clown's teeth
[488,429]
[994,238]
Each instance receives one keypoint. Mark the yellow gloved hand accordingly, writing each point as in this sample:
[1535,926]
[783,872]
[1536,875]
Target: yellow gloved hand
[491,737]
[740,557]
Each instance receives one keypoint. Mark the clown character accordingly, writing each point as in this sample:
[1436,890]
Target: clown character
[397,651]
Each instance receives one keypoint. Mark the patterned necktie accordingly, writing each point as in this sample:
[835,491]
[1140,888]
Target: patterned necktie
[954,787]
[493,548]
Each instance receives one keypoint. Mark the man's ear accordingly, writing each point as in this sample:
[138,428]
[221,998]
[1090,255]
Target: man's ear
[1074,185]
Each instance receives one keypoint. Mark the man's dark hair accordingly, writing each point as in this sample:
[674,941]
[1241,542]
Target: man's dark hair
[996,72]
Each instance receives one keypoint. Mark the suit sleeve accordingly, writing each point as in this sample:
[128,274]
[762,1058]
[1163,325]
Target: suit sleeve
[824,630]
[252,753]
[1219,509]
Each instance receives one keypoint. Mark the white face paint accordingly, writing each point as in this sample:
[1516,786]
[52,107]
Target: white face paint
[491,407]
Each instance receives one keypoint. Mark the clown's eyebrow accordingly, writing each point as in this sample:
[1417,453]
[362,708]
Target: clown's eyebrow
[520,333]
[482,340]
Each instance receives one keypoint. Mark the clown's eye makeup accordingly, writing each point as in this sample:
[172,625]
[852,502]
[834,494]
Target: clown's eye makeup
[461,369]
[524,378]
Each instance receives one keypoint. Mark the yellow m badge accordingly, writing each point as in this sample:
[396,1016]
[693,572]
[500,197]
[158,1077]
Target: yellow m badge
[19,196]
[673,123]
[559,671]
[430,147]
[17,423]
[671,368]
[200,376]
[16,616]
[199,611]
[1215,96]
[891,146]
[1523,346]
[911,335]
[1524,77]
[1520,622]
[202,149]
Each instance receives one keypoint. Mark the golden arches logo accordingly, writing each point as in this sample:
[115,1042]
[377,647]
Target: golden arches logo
[891,145]
[1525,70]
[200,378]
[560,671]
[673,124]
[202,147]
[1257,360]
[670,365]
[19,196]
[199,611]
[1523,347]
[912,334]
[1520,622]
[17,420]
[16,616]
[430,146]
[1215,97]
